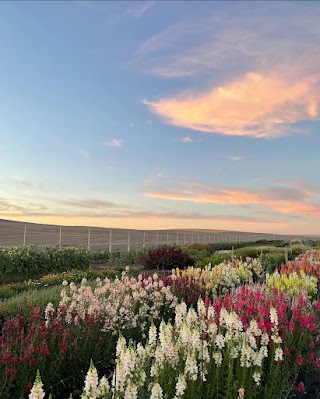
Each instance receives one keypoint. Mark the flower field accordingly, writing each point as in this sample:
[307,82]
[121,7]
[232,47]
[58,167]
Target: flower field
[231,330]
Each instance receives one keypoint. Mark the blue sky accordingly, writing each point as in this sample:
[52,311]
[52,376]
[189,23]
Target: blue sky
[161,114]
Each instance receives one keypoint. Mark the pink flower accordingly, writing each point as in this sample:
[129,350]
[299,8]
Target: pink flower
[301,387]
[241,393]
[299,360]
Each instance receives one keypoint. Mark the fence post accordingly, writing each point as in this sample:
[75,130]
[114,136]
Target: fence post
[60,239]
[144,240]
[88,240]
[167,238]
[157,238]
[177,238]
[110,242]
[128,248]
[24,236]
[184,239]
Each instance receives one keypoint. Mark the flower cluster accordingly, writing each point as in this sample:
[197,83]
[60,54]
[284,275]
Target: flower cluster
[307,263]
[121,304]
[214,280]
[296,284]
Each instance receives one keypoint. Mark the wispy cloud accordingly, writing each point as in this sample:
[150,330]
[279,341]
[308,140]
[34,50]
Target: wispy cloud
[257,84]
[84,154]
[288,200]
[235,158]
[116,143]
[141,9]
[187,139]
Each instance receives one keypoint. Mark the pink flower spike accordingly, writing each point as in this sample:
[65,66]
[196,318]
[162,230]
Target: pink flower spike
[241,393]
[301,387]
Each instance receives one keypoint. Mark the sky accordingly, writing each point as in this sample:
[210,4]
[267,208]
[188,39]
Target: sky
[161,114]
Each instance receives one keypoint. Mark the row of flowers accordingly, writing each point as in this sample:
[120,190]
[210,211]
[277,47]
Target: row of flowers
[89,319]
[249,344]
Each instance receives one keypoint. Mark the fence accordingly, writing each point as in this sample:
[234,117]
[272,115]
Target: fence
[95,239]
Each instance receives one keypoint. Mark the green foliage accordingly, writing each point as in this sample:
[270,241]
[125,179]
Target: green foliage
[167,258]
[272,260]
[20,264]
[22,303]
[119,258]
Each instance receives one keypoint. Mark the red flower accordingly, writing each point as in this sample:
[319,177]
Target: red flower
[301,387]
[286,352]
[29,386]
[299,360]
[312,344]
[11,373]
[311,357]
[291,326]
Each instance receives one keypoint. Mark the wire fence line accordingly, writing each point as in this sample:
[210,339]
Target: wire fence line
[102,239]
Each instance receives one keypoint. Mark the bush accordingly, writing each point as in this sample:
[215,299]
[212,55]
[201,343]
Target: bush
[167,258]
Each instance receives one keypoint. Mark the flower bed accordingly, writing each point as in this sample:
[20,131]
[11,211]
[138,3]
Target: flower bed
[218,332]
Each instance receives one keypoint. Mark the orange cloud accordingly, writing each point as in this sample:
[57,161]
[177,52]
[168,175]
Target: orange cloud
[287,200]
[256,104]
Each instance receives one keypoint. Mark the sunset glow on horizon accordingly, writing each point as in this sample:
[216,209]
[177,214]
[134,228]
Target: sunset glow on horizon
[161,115]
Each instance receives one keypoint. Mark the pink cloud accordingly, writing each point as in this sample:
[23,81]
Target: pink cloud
[283,200]
[256,105]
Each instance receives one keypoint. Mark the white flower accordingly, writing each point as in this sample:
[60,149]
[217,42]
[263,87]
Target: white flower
[131,392]
[37,391]
[156,392]
[91,382]
[220,341]
[191,368]
[274,316]
[256,377]
[181,385]
[103,387]
[217,358]
[278,354]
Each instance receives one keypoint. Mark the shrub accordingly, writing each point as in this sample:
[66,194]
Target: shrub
[167,258]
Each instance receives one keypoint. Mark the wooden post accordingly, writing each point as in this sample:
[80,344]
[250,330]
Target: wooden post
[24,236]
[110,242]
[144,240]
[128,246]
[286,255]
[157,238]
[88,240]
[167,238]
[177,238]
[184,239]
[60,239]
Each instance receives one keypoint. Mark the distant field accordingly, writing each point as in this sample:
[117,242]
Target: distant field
[18,233]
